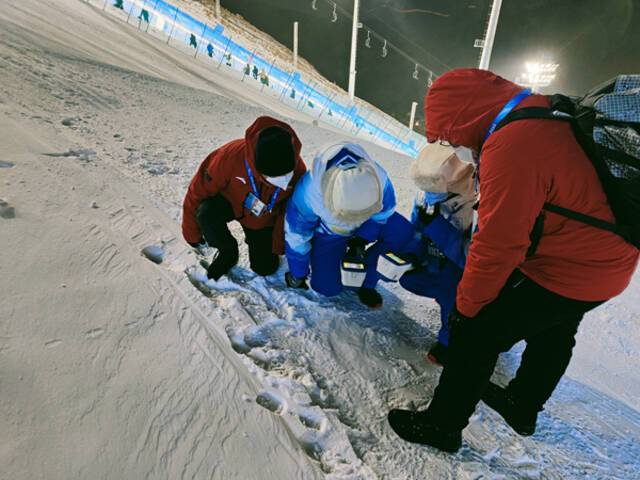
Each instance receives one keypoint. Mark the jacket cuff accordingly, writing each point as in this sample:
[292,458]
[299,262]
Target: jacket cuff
[466,309]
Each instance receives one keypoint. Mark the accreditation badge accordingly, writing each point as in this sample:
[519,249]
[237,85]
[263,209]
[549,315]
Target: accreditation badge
[254,205]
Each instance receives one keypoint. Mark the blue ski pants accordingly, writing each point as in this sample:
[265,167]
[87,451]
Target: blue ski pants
[440,282]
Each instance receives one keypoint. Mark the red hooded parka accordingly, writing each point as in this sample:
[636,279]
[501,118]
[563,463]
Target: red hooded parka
[522,166]
[224,173]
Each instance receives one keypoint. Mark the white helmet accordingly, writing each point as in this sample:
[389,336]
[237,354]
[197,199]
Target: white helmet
[351,189]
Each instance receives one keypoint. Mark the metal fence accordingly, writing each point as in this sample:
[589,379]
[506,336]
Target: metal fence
[258,69]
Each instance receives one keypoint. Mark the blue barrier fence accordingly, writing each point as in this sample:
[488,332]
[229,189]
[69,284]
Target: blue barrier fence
[210,43]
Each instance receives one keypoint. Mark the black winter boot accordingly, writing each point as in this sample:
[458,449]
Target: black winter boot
[416,427]
[521,419]
[370,297]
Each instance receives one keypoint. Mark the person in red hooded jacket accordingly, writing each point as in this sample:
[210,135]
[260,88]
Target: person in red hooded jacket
[248,180]
[506,295]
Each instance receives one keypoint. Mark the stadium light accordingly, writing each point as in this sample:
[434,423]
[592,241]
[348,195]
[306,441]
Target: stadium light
[537,75]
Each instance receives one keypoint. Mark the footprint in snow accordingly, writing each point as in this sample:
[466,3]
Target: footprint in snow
[272,402]
[94,333]
[268,359]
[155,253]
[7,210]
[236,337]
[84,154]
[311,419]
[255,337]
[54,342]
[311,445]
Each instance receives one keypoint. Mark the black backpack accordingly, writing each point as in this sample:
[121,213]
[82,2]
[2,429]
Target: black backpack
[606,123]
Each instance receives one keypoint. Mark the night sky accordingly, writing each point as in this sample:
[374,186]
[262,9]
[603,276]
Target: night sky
[592,40]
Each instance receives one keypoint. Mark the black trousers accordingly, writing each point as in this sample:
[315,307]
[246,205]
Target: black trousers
[214,214]
[548,322]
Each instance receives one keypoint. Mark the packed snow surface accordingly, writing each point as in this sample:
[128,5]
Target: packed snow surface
[118,360]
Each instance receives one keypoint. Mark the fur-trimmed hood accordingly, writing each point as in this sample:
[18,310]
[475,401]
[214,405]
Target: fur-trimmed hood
[439,170]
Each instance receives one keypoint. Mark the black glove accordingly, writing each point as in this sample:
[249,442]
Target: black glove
[355,251]
[416,262]
[457,321]
[428,215]
[357,242]
[293,282]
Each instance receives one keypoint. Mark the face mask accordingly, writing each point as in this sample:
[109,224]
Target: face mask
[433,198]
[466,155]
[282,182]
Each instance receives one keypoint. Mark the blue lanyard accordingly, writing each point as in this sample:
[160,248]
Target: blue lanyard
[252,180]
[507,109]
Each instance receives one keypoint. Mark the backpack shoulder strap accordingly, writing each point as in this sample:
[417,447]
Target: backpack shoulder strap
[542,113]
[530,113]
[581,217]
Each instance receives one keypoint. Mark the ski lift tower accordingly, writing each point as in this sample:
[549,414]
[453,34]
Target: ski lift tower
[486,44]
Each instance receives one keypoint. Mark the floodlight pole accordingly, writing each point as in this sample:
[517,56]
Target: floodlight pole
[295,45]
[354,47]
[485,58]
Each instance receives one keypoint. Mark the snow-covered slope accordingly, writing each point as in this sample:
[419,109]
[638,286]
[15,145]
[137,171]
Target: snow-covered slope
[114,367]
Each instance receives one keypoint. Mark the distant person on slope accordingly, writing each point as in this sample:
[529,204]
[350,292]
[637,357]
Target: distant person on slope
[510,291]
[344,203]
[442,217]
[248,180]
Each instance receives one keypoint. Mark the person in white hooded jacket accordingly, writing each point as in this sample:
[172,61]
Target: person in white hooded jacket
[343,203]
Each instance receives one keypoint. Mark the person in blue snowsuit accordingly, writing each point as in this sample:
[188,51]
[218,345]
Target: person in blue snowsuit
[442,217]
[342,204]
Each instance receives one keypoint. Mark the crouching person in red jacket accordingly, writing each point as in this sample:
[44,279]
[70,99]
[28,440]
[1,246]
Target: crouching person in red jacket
[508,292]
[248,180]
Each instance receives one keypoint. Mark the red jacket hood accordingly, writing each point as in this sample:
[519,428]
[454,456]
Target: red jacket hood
[251,138]
[461,105]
